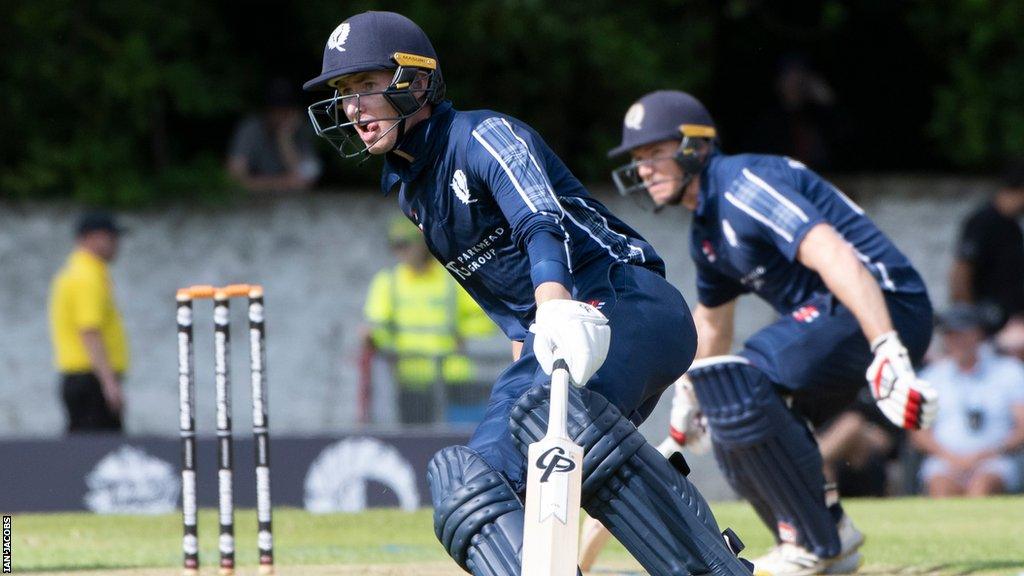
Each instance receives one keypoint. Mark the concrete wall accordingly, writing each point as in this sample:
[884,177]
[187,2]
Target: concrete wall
[315,255]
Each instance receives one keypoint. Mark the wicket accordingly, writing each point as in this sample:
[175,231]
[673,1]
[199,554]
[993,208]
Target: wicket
[186,390]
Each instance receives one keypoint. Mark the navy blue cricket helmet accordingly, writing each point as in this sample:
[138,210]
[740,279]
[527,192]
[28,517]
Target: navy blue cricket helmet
[369,42]
[657,117]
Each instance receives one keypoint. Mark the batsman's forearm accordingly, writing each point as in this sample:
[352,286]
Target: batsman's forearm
[858,290]
[551,291]
[836,261]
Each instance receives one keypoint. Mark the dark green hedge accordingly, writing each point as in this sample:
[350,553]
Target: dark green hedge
[128,102]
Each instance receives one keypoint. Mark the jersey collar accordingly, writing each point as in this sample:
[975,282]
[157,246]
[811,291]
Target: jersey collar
[421,144]
[705,184]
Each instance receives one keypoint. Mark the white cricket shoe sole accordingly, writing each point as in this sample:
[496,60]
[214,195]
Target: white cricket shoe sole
[793,560]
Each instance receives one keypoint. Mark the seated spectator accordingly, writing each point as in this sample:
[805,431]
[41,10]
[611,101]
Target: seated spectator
[988,269]
[273,151]
[981,413]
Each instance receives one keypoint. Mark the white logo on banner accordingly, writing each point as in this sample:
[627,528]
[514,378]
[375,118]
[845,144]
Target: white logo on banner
[129,481]
[337,479]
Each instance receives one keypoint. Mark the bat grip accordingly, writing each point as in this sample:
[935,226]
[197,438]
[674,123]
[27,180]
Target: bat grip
[559,399]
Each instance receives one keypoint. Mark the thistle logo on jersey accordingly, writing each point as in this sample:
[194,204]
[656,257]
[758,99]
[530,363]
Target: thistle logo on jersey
[461,188]
[554,460]
[806,314]
[338,37]
[634,116]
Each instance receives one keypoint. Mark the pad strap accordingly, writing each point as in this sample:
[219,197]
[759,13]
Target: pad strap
[477,516]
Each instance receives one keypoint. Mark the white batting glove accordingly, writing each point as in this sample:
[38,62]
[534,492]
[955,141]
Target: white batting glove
[687,424]
[572,330]
[904,399]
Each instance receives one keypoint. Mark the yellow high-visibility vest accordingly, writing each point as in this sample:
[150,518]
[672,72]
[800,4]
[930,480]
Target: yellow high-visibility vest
[420,318]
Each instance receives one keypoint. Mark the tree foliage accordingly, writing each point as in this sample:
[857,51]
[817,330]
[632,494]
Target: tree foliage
[978,110]
[97,95]
[125,102]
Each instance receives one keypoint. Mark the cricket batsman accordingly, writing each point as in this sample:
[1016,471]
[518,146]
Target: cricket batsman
[850,305]
[563,278]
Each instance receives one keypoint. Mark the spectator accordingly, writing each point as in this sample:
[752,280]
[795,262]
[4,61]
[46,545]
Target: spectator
[988,269]
[1010,340]
[273,151]
[421,316]
[981,413]
[802,123]
[90,349]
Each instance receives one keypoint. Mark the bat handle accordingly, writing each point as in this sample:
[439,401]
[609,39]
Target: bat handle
[559,399]
[560,364]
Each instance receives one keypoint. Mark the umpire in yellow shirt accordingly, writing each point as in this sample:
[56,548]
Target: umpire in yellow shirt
[90,349]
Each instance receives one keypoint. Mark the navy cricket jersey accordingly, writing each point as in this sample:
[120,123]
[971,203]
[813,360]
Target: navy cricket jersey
[503,214]
[752,213]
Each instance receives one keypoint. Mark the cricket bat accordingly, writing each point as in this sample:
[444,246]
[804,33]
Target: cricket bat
[553,482]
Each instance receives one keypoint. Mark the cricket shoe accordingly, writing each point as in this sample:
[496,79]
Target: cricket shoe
[850,539]
[792,560]
[846,564]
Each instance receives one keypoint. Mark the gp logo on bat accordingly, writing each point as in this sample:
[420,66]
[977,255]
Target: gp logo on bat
[554,460]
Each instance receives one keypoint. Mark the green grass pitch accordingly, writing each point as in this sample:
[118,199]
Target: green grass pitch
[905,536]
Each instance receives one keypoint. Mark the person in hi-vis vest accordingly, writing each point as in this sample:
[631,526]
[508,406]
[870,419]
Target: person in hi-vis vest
[420,316]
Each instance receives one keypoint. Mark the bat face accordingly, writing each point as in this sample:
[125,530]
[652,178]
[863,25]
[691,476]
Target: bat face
[554,478]
[551,527]
[556,466]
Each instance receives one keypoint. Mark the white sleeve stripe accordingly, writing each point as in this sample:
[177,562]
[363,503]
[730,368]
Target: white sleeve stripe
[886,281]
[543,174]
[596,239]
[853,205]
[507,170]
[883,272]
[602,224]
[759,217]
[782,199]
